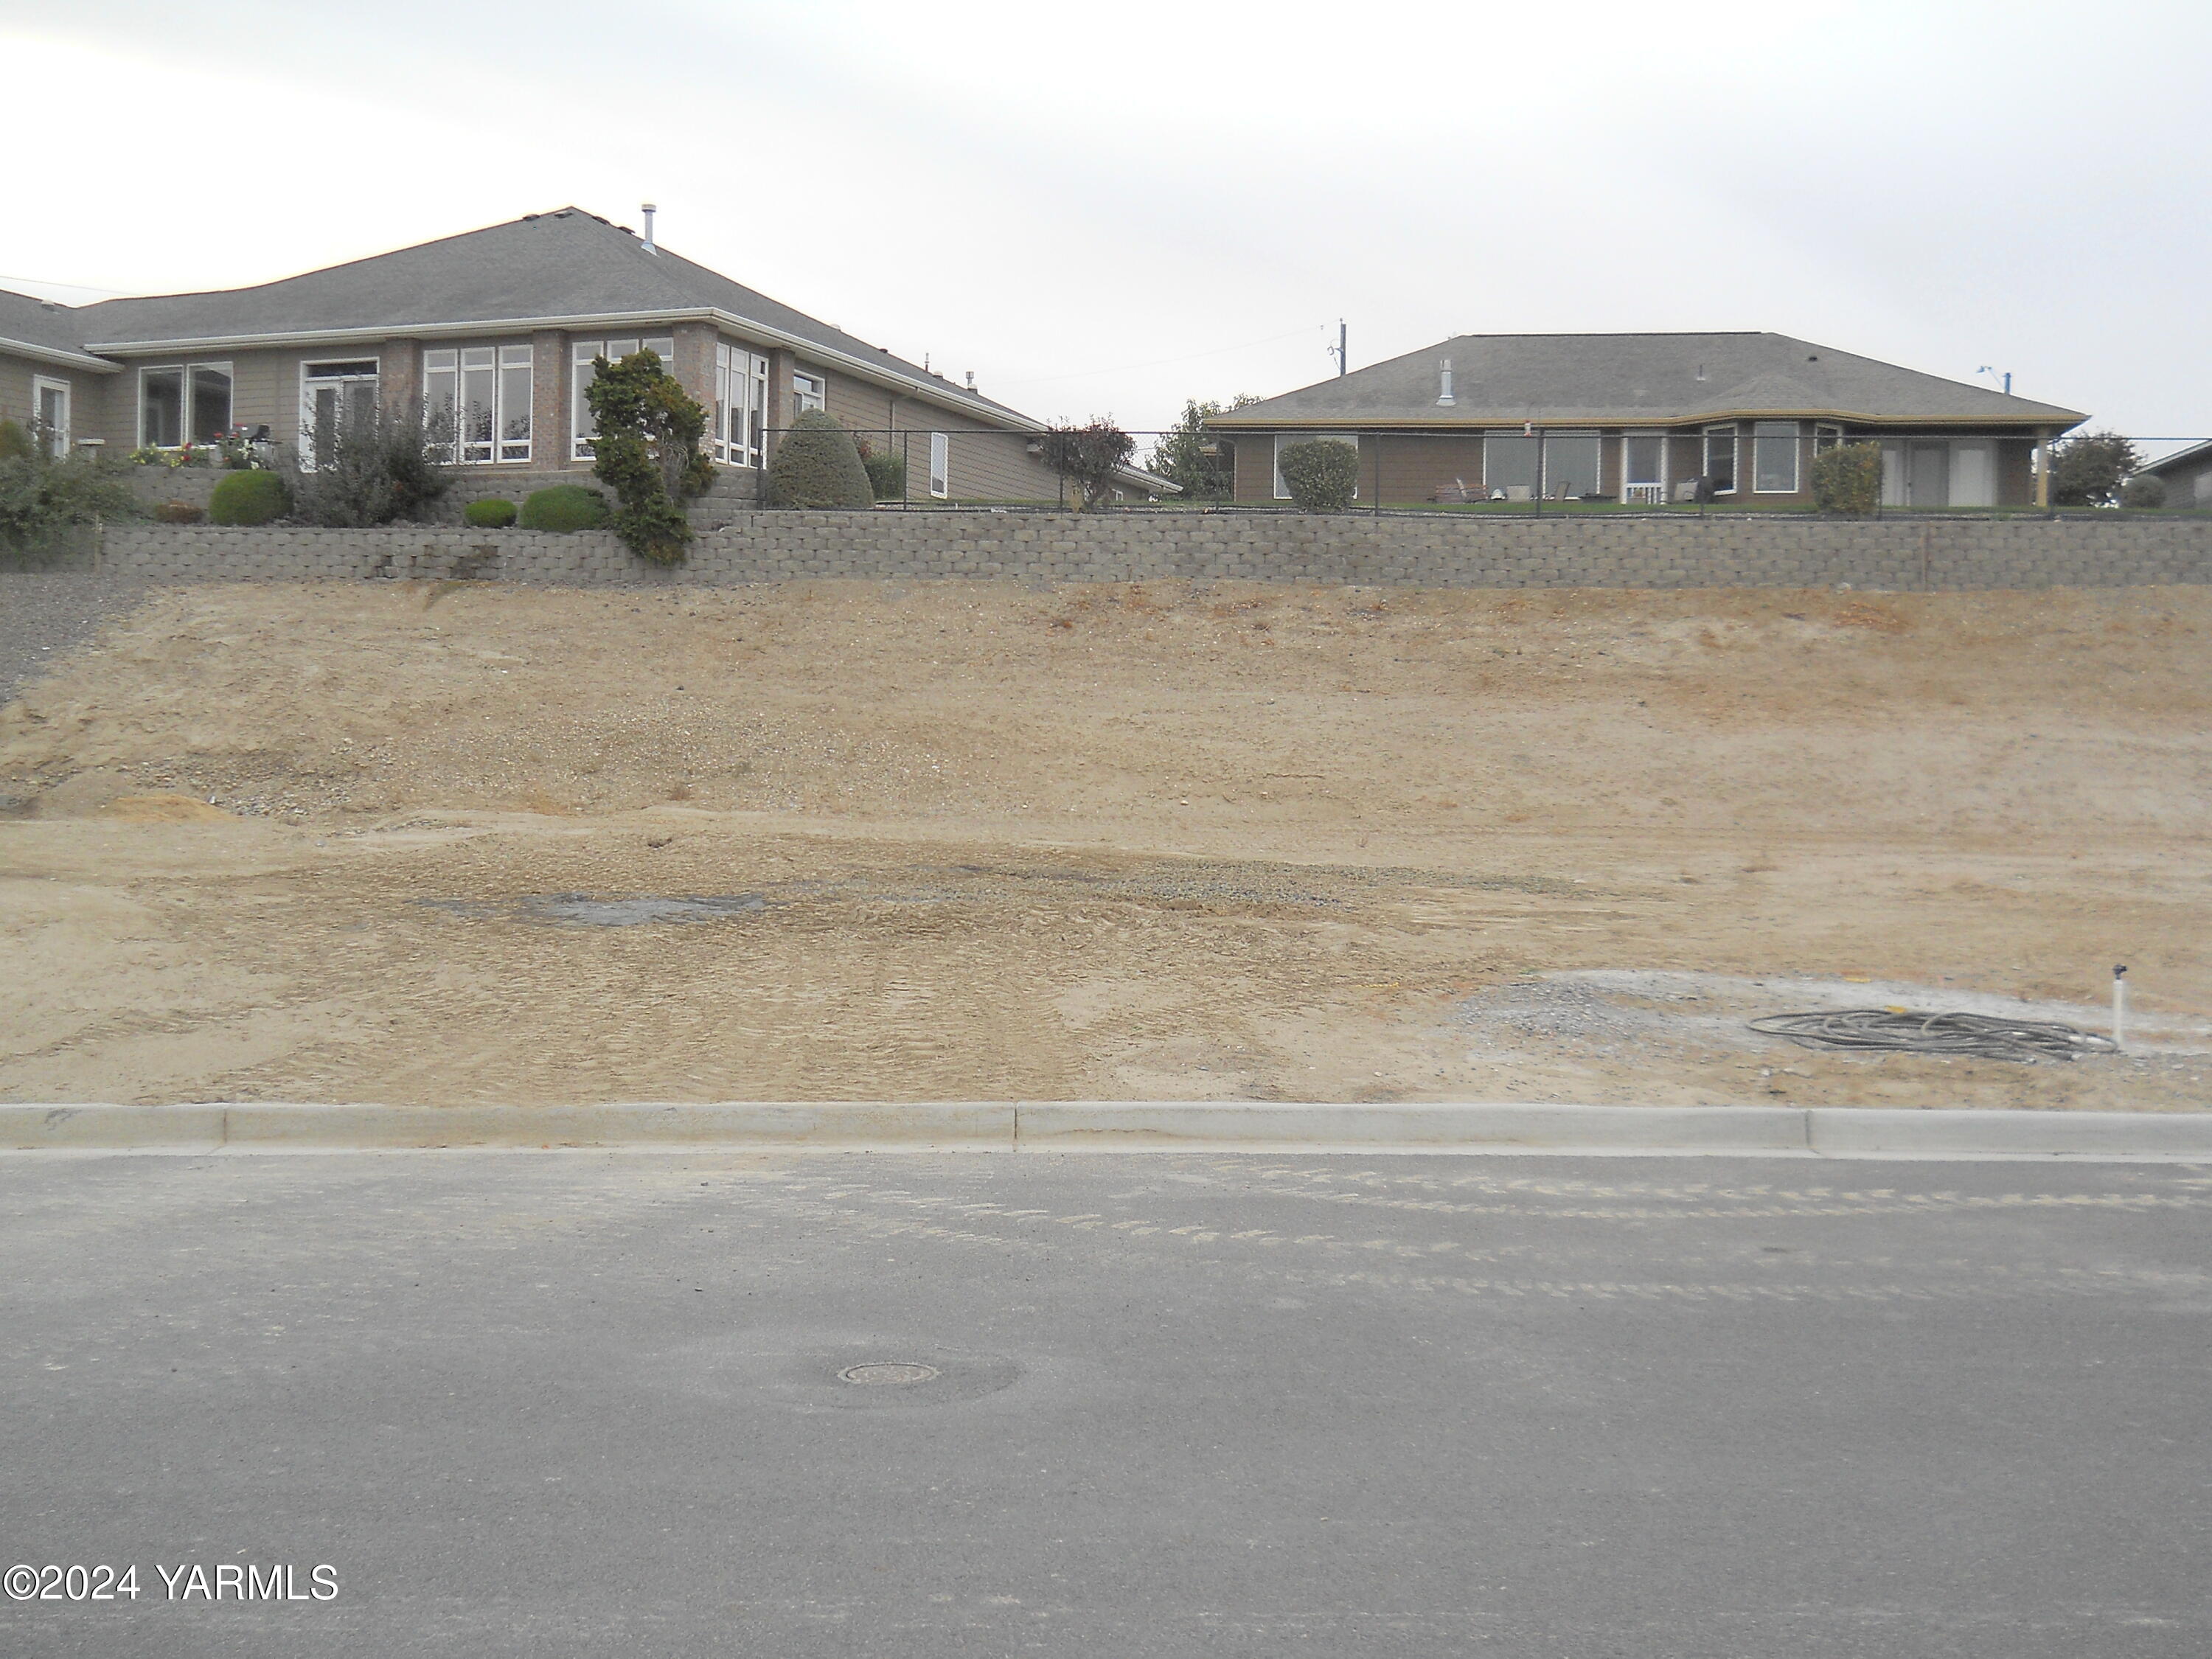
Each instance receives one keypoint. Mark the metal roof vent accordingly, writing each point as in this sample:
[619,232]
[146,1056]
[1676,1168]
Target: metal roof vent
[649,211]
[971,380]
[1444,395]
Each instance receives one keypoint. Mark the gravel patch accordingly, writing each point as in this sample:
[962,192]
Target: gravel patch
[45,613]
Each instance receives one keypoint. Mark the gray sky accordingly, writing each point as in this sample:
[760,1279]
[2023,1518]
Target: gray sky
[1105,218]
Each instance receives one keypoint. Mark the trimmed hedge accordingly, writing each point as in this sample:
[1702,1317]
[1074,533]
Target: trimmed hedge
[817,465]
[564,508]
[886,473]
[490,514]
[249,498]
[1322,475]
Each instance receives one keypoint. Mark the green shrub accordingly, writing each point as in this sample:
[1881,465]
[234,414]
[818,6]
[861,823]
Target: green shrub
[492,514]
[1847,479]
[2144,492]
[41,498]
[817,465]
[2087,470]
[178,512]
[1322,474]
[373,466]
[564,508]
[255,497]
[886,470]
[15,443]
[647,449]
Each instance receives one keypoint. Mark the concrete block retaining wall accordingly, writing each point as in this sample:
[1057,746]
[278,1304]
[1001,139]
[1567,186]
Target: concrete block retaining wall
[754,546]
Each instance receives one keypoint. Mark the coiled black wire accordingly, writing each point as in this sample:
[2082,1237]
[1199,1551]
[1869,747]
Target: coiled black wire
[1974,1036]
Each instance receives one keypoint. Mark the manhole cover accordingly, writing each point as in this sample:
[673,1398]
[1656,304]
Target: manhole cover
[888,1374]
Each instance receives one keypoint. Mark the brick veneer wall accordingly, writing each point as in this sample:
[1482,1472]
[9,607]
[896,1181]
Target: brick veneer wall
[1426,551]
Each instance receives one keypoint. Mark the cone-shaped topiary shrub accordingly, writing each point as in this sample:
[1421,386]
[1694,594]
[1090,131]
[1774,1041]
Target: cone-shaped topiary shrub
[492,514]
[818,465]
[249,498]
[564,508]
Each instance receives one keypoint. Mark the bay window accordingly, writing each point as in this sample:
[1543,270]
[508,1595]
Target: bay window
[740,405]
[581,425]
[181,404]
[477,399]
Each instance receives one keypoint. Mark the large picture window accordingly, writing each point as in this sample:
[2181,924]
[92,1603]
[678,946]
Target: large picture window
[1720,458]
[580,427]
[740,405]
[332,394]
[180,404]
[1571,464]
[481,396]
[1774,458]
[1512,462]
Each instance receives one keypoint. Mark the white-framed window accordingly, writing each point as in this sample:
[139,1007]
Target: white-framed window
[740,405]
[332,394]
[1826,438]
[1285,439]
[1774,458]
[940,466]
[809,391]
[482,396]
[50,414]
[580,427]
[183,402]
[1644,467]
[1720,458]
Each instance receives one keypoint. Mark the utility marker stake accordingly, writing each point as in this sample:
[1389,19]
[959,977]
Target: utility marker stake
[2119,1006]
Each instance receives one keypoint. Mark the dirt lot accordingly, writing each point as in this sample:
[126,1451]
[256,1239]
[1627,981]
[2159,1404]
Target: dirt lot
[462,843]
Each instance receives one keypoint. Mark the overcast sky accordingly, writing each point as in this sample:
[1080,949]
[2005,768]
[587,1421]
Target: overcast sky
[1106,217]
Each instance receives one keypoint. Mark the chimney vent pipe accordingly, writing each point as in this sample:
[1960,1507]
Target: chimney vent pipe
[1444,395]
[650,209]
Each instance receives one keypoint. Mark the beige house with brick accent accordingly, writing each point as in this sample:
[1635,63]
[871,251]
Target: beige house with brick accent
[500,327]
[1639,419]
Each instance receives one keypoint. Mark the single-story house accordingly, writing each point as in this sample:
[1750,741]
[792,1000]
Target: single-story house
[498,328]
[2186,474]
[1640,419]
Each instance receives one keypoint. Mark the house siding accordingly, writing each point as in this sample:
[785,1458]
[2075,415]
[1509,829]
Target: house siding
[87,394]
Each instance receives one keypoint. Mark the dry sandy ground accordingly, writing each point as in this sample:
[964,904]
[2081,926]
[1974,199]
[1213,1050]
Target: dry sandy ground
[478,843]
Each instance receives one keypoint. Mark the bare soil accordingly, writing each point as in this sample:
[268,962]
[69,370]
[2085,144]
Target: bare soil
[461,843]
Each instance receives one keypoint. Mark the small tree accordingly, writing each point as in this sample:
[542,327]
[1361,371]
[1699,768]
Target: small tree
[373,466]
[2088,471]
[1189,455]
[646,451]
[1847,479]
[817,464]
[1322,474]
[1089,457]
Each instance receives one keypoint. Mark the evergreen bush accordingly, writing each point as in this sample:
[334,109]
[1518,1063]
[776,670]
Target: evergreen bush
[15,443]
[647,443]
[886,470]
[1322,474]
[2144,492]
[247,498]
[564,508]
[1847,479]
[817,464]
[490,514]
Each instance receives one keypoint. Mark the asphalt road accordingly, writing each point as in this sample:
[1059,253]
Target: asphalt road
[590,1404]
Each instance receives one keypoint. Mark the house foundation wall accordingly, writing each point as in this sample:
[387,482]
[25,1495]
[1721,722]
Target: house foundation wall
[1438,551]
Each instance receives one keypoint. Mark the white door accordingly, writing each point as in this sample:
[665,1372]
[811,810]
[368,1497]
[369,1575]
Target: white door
[52,414]
[1974,474]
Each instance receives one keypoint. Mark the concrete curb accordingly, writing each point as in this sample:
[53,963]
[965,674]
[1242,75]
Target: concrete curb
[1120,1126]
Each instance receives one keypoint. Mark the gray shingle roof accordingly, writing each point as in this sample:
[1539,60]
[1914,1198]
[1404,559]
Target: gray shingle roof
[41,323]
[567,262]
[1612,379]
